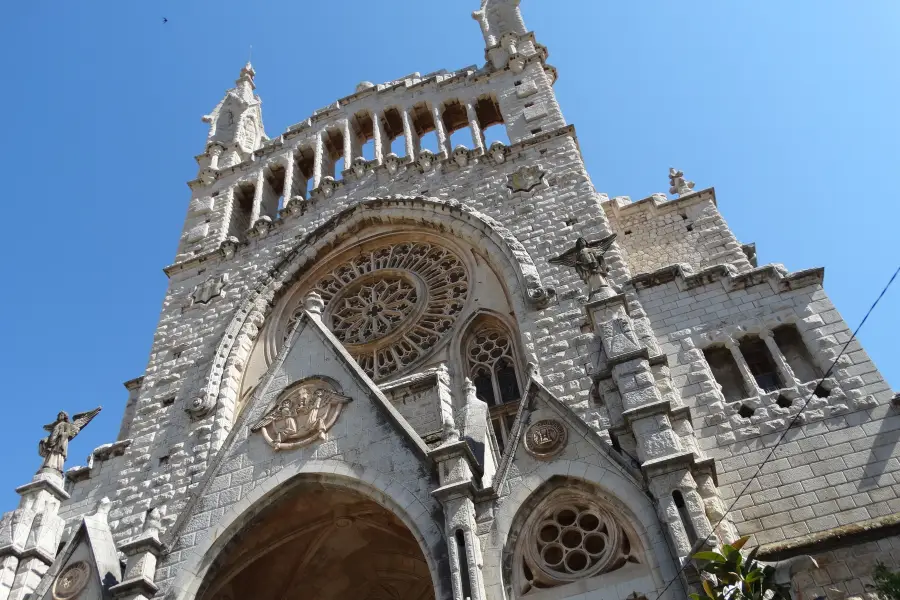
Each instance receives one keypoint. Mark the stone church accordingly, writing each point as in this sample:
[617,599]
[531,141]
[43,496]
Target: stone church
[385,372]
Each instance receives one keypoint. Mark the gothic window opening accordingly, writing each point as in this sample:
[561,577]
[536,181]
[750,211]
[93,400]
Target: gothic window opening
[333,157]
[274,200]
[241,210]
[490,119]
[303,172]
[393,129]
[424,129]
[795,352]
[760,362]
[726,373]
[365,126]
[456,123]
[491,364]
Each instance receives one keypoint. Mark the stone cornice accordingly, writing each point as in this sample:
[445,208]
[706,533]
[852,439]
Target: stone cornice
[45,484]
[774,276]
[832,539]
[658,203]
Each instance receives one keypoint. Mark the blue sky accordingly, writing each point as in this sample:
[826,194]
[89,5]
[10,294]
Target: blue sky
[789,109]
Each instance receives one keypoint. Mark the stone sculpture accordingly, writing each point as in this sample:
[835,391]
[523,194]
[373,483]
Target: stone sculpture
[589,262]
[303,414]
[55,447]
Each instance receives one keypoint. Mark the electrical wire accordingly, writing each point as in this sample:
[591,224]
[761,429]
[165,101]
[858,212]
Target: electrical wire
[788,428]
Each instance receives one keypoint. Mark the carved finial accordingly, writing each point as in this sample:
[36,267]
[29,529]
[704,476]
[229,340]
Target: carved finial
[103,507]
[364,85]
[471,391]
[313,304]
[153,522]
[679,185]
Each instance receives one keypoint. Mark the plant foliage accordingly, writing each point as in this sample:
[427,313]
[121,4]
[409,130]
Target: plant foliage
[887,582]
[737,577]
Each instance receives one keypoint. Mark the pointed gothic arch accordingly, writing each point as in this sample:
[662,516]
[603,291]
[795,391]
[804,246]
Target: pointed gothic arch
[505,254]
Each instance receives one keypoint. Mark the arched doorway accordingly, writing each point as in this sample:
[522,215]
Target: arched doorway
[325,542]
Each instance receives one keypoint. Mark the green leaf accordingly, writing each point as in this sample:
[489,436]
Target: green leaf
[710,556]
[708,588]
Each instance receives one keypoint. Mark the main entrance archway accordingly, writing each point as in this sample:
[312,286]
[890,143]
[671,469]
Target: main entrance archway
[324,542]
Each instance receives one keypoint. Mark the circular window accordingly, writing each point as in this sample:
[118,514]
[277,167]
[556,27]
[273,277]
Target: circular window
[390,304]
[572,537]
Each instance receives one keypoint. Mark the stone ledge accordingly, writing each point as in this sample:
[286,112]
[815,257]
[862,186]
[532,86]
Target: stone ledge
[833,539]
[656,205]
[779,280]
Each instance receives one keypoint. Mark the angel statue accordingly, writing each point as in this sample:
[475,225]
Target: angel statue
[55,447]
[302,415]
[587,258]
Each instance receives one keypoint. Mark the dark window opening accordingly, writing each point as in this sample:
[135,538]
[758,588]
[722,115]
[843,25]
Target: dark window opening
[333,155]
[393,128]
[685,517]
[821,391]
[274,195]
[484,386]
[536,131]
[726,372]
[242,210]
[614,441]
[762,367]
[462,556]
[507,381]
[795,352]
[745,411]
[163,461]
[784,402]
[168,401]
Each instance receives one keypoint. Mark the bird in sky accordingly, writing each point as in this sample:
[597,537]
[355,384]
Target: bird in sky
[165,20]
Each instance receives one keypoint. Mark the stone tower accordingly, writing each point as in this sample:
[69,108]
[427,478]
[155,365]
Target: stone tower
[462,373]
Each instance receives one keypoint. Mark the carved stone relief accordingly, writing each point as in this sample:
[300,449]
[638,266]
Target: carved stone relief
[302,414]
[545,439]
[525,179]
[72,581]
[209,289]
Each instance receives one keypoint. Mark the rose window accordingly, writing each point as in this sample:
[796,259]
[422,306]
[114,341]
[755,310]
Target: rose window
[572,538]
[391,305]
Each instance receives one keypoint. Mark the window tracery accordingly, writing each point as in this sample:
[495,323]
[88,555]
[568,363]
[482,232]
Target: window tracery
[391,304]
[491,366]
[572,536]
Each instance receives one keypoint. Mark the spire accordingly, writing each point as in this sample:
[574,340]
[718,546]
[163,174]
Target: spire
[245,84]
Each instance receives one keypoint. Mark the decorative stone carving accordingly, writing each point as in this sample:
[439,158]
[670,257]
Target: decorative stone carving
[228,247]
[390,305]
[209,289]
[392,163]
[461,156]
[678,184]
[426,160]
[588,260]
[303,413]
[295,206]
[545,439]
[359,166]
[72,581]
[262,226]
[571,536]
[618,336]
[55,447]
[525,179]
[541,297]
[200,406]
[328,186]
[497,152]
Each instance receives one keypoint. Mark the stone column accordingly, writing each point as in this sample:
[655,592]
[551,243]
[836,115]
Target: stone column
[378,136]
[318,160]
[8,566]
[140,568]
[288,191]
[412,141]
[28,576]
[257,196]
[441,131]
[477,136]
[749,380]
[784,369]
[348,144]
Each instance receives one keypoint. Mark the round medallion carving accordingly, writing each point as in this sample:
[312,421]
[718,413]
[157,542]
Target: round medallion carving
[545,438]
[391,304]
[71,581]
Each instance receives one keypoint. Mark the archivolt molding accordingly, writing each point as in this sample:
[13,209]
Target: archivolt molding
[367,481]
[514,265]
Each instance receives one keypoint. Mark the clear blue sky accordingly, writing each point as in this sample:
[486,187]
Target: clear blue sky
[790,109]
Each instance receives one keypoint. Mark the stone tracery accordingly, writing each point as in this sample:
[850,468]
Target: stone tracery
[391,304]
[572,536]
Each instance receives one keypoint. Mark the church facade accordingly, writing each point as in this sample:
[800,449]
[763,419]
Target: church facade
[384,372]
